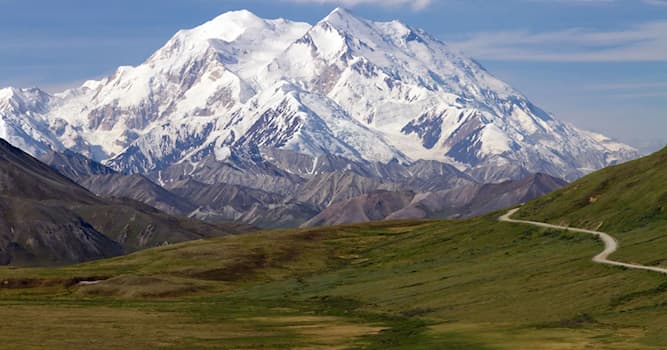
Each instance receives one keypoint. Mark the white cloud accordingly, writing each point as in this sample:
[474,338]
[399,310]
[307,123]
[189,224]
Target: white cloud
[595,2]
[643,42]
[416,5]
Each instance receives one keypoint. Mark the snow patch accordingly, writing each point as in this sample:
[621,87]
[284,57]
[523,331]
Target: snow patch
[222,153]
[494,141]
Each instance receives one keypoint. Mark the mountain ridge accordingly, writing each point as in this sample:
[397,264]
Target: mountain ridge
[462,201]
[438,191]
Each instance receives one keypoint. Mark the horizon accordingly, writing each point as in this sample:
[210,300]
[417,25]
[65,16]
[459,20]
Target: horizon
[622,98]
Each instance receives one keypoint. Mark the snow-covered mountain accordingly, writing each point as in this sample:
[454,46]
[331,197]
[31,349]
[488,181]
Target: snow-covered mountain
[240,89]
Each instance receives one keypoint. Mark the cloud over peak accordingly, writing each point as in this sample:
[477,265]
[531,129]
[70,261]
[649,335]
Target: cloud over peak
[642,42]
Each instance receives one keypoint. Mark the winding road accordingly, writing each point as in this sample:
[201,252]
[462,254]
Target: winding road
[610,244]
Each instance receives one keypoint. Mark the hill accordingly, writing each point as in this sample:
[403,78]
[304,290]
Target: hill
[464,201]
[24,176]
[45,218]
[628,201]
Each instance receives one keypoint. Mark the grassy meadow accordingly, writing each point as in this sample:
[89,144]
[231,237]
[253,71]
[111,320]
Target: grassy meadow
[472,284]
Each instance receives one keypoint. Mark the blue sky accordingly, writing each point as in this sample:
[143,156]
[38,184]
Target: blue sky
[601,64]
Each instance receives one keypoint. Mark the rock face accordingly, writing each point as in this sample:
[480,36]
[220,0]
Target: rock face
[47,219]
[345,91]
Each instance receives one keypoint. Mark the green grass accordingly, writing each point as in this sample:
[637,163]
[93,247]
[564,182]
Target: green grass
[473,284]
[628,201]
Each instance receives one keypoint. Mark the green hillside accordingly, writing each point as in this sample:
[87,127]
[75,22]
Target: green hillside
[628,201]
[475,284]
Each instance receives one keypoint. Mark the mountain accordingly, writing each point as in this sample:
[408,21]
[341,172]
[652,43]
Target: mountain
[462,201]
[478,199]
[328,198]
[374,206]
[45,218]
[22,120]
[233,100]
[27,178]
[104,181]
[492,197]
[237,203]
[219,202]
[33,228]
[139,188]
[74,165]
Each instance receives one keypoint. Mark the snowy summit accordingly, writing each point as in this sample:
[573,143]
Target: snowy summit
[371,92]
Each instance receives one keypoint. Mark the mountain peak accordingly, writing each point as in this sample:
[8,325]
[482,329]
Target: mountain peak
[18,98]
[240,16]
[340,11]
[229,26]
[341,16]
[8,93]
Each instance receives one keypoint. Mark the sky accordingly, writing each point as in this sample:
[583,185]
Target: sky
[600,64]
